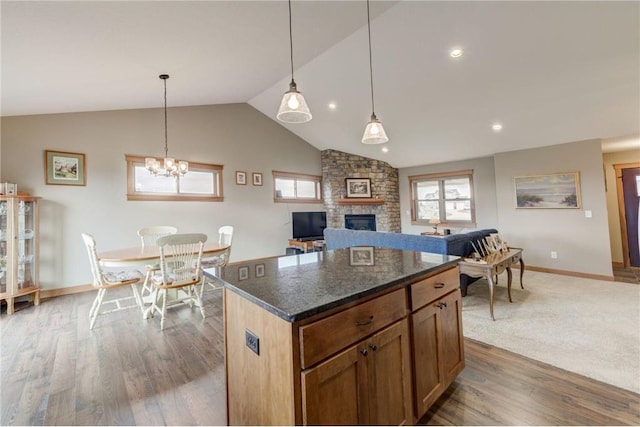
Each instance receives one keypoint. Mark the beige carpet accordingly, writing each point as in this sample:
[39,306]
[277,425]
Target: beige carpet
[589,327]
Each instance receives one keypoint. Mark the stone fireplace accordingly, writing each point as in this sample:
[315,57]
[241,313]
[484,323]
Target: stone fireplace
[384,204]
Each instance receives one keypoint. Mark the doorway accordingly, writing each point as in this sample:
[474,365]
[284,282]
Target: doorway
[628,186]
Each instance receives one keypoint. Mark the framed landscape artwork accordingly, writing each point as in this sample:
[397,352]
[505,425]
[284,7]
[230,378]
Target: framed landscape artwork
[358,187]
[62,168]
[550,191]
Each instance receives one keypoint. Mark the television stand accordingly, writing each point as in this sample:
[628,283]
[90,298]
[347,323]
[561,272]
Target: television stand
[307,245]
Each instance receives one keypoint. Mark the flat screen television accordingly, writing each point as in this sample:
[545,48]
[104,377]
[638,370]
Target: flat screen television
[308,225]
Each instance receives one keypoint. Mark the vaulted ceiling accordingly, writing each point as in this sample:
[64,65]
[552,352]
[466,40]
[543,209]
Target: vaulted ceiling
[550,72]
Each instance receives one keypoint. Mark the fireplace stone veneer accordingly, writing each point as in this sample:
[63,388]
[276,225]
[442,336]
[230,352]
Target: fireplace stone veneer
[337,166]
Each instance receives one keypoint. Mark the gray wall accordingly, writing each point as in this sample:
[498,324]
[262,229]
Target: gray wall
[235,135]
[484,191]
[582,243]
[241,138]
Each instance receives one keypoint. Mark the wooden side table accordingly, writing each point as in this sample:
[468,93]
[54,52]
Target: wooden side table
[308,245]
[432,233]
[492,265]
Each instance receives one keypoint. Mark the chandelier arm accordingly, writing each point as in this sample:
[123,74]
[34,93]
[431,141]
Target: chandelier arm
[291,40]
[373,109]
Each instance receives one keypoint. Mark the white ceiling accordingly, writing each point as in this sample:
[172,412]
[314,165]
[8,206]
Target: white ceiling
[550,72]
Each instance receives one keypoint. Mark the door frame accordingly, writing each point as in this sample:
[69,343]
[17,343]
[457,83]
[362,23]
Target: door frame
[621,210]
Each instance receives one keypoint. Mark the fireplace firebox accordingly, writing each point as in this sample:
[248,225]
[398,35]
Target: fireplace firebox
[360,222]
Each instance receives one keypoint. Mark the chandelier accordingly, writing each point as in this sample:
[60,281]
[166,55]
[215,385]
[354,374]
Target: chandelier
[168,166]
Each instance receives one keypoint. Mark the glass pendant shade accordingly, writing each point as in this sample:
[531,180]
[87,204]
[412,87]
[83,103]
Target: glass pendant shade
[293,108]
[374,132]
[183,167]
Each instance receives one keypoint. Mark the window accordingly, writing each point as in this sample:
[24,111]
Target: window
[446,196]
[298,188]
[203,182]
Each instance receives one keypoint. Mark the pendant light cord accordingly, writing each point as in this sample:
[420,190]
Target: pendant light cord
[373,109]
[166,138]
[290,40]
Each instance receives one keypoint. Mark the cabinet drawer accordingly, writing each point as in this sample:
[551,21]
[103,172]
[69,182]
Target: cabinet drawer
[321,339]
[434,287]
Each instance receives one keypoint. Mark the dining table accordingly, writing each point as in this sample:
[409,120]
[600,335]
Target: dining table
[136,256]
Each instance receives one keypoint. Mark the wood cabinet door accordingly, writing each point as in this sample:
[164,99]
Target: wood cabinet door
[451,338]
[390,376]
[335,392]
[429,381]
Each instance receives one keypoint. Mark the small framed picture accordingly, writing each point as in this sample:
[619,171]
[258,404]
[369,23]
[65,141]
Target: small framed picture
[257,178]
[62,168]
[358,187]
[10,189]
[259,270]
[361,255]
[243,273]
[241,178]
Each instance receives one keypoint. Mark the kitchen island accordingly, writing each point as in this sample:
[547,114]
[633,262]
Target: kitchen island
[352,336]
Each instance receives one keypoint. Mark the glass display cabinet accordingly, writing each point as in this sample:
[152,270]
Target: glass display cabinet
[19,239]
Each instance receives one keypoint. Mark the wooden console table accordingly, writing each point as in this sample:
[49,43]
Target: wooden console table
[492,265]
[307,245]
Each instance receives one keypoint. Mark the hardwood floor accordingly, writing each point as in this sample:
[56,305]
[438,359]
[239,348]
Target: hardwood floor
[498,387]
[627,275]
[55,371]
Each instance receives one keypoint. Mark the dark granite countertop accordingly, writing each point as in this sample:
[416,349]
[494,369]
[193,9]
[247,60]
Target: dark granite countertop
[299,286]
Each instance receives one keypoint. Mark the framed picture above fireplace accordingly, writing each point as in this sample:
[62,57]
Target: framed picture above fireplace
[358,188]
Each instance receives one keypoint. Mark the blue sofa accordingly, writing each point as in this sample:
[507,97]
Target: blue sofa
[453,244]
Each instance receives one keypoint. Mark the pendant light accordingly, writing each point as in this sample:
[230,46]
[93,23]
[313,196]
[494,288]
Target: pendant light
[169,165]
[293,108]
[374,132]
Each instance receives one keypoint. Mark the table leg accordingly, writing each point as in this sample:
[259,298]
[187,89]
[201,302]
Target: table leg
[490,281]
[509,277]
[521,272]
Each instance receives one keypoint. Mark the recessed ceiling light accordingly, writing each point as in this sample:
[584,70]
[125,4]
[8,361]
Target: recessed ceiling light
[332,106]
[385,149]
[497,127]
[455,52]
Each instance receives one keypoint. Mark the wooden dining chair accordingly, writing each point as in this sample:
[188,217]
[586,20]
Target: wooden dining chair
[180,270]
[103,281]
[220,259]
[149,237]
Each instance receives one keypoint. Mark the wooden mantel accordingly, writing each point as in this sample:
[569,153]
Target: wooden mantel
[359,201]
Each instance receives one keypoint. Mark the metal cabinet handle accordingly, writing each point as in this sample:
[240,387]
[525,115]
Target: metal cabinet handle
[364,351]
[438,285]
[441,305]
[366,322]
[373,346]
